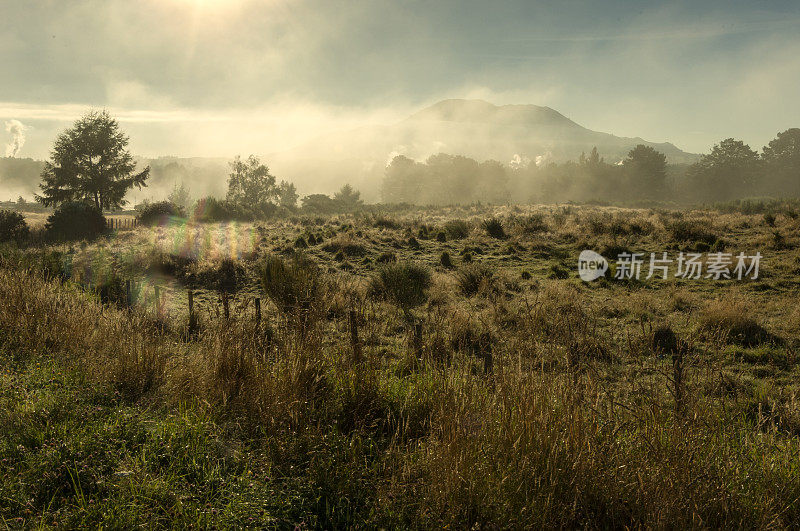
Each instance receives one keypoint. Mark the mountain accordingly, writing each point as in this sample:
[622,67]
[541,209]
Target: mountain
[474,128]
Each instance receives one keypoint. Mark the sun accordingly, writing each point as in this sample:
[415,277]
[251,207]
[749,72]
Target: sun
[210,5]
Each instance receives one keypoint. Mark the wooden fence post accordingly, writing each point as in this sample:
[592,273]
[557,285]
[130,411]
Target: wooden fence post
[192,318]
[418,339]
[354,342]
[258,311]
[158,300]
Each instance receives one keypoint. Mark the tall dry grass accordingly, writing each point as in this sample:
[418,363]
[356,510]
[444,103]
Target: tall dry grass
[530,444]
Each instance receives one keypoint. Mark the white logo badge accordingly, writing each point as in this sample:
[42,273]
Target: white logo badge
[591,265]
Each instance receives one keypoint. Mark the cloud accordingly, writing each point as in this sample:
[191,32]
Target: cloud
[237,70]
[17,130]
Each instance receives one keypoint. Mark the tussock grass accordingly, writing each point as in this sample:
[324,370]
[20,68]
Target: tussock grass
[733,320]
[476,278]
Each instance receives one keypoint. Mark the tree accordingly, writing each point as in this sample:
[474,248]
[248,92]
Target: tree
[729,171]
[646,170]
[401,182]
[348,198]
[319,204]
[251,186]
[782,160]
[90,162]
[179,196]
[287,195]
[492,185]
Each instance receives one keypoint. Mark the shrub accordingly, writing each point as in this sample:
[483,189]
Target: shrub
[13,227]
[456,229]
[75,221]
[386,258]
[494,228]
[474,278]
[445,260]
[664,341]
[404,284]
[210,209]
[733,319]
[382,222]
[690,230]
[158,213]
[441,237]
[769,219]
[615,226]
[228,274]
[533,224]
[346,245]
[558,271]
[294,286]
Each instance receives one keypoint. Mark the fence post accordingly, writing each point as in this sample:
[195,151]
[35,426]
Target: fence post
[158,300]
[418,339]
[258,311]
[354,342]
[192,319]
[678,382]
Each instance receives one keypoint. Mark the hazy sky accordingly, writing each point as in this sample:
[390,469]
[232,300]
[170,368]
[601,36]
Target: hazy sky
[220,77]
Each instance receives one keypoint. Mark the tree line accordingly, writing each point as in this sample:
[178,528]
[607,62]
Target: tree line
[732,170]
[90,163]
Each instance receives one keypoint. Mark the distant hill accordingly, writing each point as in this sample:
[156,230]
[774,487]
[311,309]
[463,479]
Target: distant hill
[474,128]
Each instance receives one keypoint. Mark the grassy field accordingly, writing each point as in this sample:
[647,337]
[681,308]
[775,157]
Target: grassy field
[512,394]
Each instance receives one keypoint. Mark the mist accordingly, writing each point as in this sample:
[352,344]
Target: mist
[323,95]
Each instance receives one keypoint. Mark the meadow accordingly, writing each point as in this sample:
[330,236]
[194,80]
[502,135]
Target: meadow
[420,368]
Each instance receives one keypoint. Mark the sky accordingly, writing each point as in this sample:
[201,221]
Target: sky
[221,77]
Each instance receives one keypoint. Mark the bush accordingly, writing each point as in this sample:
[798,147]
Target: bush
[345,244]
[75,221]
[456,229]
[494,228]
[13,227]
[558,271]
[404,284]
[158,213]
[294,286]
[685,230]
[664,341]
[229,275]
[210,209]
[383,222]
[474,278]
[445,260]
[533,224]
[733,320]
[386,258]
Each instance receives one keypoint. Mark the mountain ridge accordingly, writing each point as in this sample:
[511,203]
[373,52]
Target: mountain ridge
[468,127]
